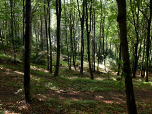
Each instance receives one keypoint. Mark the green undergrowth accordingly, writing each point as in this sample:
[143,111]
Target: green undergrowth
[143,85]
[83,106]
[78,83]
[68,81]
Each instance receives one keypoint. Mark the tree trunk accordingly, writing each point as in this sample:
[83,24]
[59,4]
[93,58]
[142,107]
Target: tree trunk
[1,36]
[71,40]
[82,41]
[137,36]
[23,22]
[41,31]
[66,33]
[148,41]
[50,36]
[94,42]
[88,42]
[119,60]
[125,54]
[100,39]
[12,31]
[99,49]
[103,42]
[46,34]
[27,52]
[58,13]
[141,68]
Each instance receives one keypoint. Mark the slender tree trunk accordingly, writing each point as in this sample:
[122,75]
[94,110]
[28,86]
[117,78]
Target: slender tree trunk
[71,39]
[103,42]
[137,37]
[88,42]
[99,48]
[82,28]
[94,43]
[42,31]
[125,54]
[23,22]
[74,40]
[12,30]
[66,32]
[50,37]
[27,55]
[58,13]
[100,38]
[141,68]
[148,41]
[46,34]
[119,60]
[143,58]
[1,36]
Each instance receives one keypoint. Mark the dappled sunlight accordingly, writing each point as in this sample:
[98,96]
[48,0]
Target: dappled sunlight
[1,67]
[39,69]
[54,88]
[41,97]
[8,107]
[107,101]
[48,84]
[72,77]
[18,72]
[35,78]
[99,78]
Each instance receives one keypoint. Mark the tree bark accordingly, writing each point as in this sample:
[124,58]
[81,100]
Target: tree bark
[12,30]
[27,53]
[141,68]
[100,38]
[137,36]
[58,13]
[82,28]
[125,54]
[71,40]
[46,35]
[148,41]
[42,31]
[119,60]
[103,42]
[50,36]
[88,42]
[94,42]
[1,36]
[23,22]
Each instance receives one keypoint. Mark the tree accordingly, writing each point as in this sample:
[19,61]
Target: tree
[99,38]
[88,41]
[82,29]
[27,53]
[12,30]
[58,13]
[148,41]
[50,37]
[125,55]
[46,34]
[136,26]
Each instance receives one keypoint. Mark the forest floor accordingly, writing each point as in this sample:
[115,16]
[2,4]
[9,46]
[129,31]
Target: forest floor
[69,93]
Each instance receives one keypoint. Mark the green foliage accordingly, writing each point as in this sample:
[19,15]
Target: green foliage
[123,74]
[38,58]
